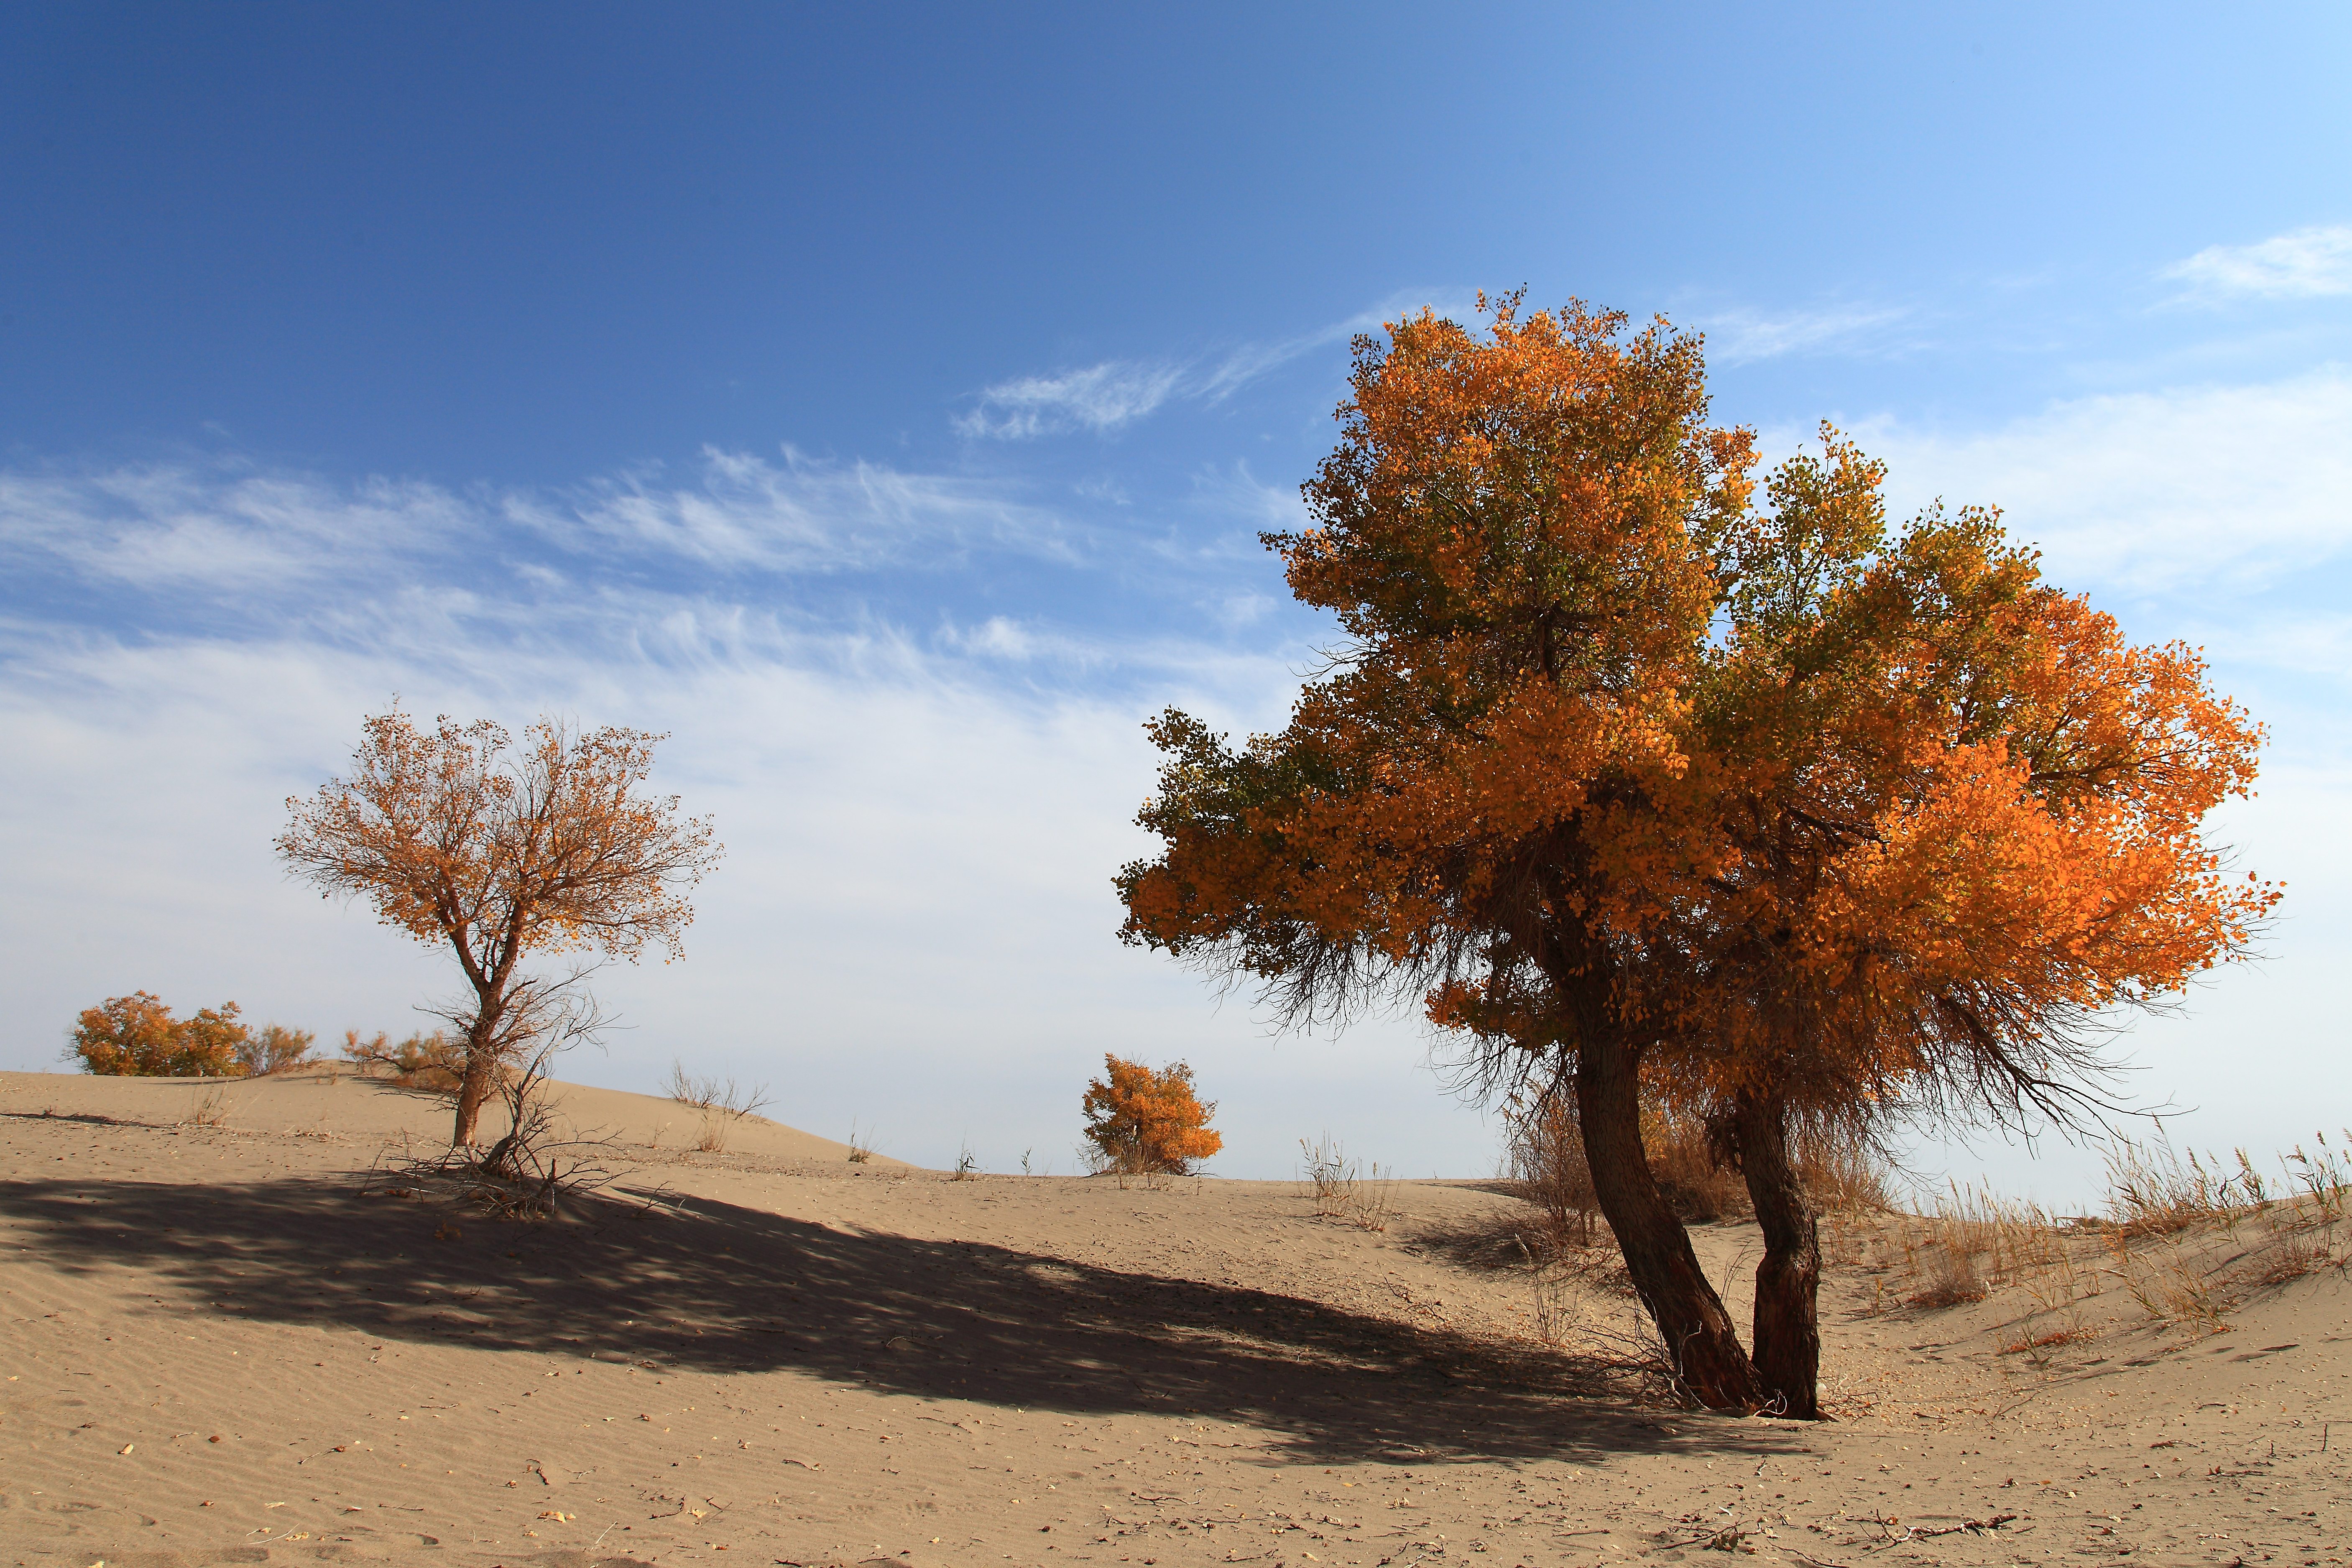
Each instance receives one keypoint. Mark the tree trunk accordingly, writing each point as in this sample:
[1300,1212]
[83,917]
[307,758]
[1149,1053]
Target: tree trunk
[1702,1346]
[1788,1339]
[472,1090]
[481,1056]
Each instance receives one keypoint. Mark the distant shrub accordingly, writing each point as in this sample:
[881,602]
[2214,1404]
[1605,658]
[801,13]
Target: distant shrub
[433,1061]
[1543,1156]
[1141,1122]
[136,1037]
[274,1047]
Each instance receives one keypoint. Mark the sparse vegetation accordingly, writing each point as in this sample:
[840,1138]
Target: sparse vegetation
[1141,1122]
[1343,1188]
[720,1104]
[861,1147]
[430,1061]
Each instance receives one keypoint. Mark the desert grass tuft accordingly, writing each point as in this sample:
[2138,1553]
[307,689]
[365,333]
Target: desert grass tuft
[1343,1189]
[720,1104]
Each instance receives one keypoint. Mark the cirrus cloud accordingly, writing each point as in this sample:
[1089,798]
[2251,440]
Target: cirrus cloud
[2302,263]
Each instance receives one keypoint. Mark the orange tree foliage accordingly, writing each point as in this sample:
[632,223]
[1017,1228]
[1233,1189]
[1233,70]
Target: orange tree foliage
[1647,789]
[137,1036]
[1144,1120]
[1943,816]
[498,854]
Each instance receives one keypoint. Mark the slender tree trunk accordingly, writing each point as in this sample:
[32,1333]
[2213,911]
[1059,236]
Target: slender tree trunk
[1702,1345]
[1788,1339]
[481,1069]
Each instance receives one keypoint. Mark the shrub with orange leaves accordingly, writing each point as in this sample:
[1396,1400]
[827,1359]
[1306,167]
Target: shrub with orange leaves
[1142,1121]
[137,1036]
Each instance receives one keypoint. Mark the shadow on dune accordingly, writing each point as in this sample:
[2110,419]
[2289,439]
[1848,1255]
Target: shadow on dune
[723,1288]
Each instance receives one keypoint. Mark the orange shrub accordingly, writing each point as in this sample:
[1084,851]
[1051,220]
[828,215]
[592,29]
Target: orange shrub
[1141,1121]
[136,1037]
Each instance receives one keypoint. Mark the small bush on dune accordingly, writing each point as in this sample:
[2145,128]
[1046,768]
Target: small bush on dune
[1543,1157]
[1143,1122]
[433,1061]
[274,1047]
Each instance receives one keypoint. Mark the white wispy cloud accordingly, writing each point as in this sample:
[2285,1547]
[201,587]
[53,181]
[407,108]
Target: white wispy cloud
[2210,488]
[222,527]
[1103,397]
[1742,336]
[2300,264]
[801,514]
[1098,398]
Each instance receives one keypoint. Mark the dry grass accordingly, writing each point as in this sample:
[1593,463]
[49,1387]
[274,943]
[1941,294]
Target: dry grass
[2153,1189]
[1683,1160]
[1342,1189]
[210,1108]
[1948,1277]
[2185,1234]
[720,1104]
[1543,1159]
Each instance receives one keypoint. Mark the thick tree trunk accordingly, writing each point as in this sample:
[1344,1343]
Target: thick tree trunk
[482,1059]
[1788,1339]
[1702,1346]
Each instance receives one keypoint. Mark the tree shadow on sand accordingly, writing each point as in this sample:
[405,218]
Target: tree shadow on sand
[723,1288]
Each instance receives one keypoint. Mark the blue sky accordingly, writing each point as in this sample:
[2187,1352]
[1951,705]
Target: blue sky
[886,402]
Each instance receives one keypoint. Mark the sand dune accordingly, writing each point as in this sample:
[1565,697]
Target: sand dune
[248,1340]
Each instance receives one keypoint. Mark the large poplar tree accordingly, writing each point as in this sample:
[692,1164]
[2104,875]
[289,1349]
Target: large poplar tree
[1642,789]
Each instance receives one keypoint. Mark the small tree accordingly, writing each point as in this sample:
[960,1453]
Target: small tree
[1144,1121]
[136,1037]
[456,841]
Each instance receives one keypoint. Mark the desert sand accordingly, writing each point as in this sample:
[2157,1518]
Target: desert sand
[230,1331]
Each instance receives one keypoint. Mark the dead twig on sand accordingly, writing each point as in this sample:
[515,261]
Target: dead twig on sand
[1912,1533]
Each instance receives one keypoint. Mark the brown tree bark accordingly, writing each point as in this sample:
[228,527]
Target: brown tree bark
[473,1089]
[1787,1337]
[1702,1346]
